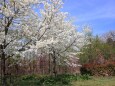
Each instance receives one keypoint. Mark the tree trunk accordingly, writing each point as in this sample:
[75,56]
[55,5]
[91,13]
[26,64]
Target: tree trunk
[54,64]
[49,64]
[3,66]
[4,69]
[1,71]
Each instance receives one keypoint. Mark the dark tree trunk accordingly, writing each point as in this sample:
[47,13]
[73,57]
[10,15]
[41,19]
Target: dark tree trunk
[49,64]
[1,71]
[3,66]
[4,69]
[54,64]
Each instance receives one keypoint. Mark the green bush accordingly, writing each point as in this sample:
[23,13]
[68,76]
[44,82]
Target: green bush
[59,80]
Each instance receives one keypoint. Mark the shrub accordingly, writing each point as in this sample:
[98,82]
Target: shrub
[106,69]
[59,80]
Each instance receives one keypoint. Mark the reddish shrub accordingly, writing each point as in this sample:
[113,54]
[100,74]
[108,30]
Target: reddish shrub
[105,69]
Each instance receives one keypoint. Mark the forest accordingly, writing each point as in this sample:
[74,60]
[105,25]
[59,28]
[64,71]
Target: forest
[41,46]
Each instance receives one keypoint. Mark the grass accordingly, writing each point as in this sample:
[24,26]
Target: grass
[63,80]
[96,81]
[36,80]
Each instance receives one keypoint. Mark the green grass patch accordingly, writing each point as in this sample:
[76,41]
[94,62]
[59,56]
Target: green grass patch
[96,81]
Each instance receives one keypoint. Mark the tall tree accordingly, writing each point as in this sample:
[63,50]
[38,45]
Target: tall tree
[18,26]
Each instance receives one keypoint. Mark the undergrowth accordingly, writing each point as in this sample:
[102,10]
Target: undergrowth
[59,80]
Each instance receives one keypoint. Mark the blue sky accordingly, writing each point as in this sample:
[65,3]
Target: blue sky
[99,14]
